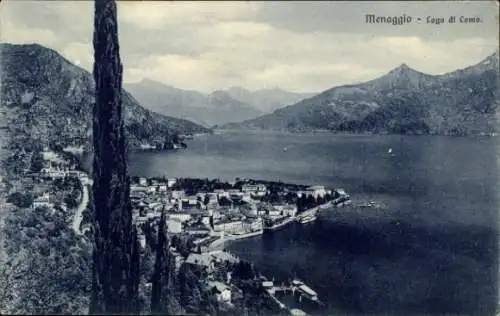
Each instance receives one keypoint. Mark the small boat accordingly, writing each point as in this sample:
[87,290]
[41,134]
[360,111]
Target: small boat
[307,219]
[389,151]
[305,290]
[285,149]
[369,204]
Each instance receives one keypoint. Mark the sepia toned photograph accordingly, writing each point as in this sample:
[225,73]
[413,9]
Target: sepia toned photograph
[249,158]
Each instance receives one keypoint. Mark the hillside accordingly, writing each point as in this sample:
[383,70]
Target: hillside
[216,108]
[45,97]
[402,101]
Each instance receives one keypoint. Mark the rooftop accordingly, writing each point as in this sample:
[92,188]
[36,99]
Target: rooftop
[221,287]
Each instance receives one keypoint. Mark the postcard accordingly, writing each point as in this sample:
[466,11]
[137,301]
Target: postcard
[249,157]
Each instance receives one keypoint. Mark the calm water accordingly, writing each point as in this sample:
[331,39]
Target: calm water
[432,248]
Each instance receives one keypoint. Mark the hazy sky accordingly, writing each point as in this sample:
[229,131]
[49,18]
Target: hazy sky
[298,46]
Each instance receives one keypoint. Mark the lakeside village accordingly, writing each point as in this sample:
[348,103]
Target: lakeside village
[204,214]
[211,212]
[214,211]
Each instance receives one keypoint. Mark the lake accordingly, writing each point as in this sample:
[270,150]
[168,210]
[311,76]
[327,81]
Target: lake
[432,248]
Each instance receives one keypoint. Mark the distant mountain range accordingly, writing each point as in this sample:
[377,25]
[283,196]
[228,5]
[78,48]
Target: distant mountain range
[45,96]
[403,101]
[267,100]
[218,107]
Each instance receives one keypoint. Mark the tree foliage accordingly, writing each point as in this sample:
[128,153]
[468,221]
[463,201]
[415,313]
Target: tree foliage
[164,273]
[116,250]
[48,267]
[36,164]
[22,200]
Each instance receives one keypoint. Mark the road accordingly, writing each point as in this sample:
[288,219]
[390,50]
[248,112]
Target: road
[77,219]
[3,214]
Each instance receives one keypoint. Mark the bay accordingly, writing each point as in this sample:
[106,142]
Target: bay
[431,248]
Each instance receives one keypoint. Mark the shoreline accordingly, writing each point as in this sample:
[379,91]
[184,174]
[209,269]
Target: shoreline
[228,238]
[223,240]
[347,133]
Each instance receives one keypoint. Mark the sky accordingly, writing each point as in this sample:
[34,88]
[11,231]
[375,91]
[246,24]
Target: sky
[296,46]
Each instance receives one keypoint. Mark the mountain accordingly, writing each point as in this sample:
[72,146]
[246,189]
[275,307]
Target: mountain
[267,100]
[46,97]
[216,108]
[402,101]
[156,96]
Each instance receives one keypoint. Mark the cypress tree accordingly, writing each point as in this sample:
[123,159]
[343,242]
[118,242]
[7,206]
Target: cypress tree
[116,252]
[162,287]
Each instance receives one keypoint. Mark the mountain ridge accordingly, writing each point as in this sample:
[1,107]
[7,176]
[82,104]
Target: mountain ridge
[48,97]
[205,109]
[403,100]
[241,104]
[267,100]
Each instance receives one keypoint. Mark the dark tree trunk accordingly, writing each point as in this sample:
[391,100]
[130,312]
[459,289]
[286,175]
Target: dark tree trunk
[116,257]
[163,287]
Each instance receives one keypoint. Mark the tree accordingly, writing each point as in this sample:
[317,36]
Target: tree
[49,264]
[163,273]
[301,203]
[224,201]
[70,200]
[116,249]
[36,164]
[310,201]
[20,199]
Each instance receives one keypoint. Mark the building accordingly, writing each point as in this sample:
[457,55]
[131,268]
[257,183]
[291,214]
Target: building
[42,201]
[275,212]
[152,189]
[212,199]
[222,193]
[229,226]
[178,194]
[52,174]
[190,201]
[205,219]
[223,292]
[181,216]
[171,182]
[253,225]
[162,188]
[202,259]
[201,195]
[137,188]
[255,189]
[142,241]
[287,209]
[174,225]
[156,206]
[141,220]
[197,230]
[143,182]
[235,192]
[316,191]
[341,192]
[153,215]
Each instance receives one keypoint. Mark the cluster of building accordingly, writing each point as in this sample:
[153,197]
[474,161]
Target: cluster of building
[55,167]
[235,212]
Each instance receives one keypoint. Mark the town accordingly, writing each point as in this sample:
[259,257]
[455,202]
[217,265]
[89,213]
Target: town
[201,215]
[213,211]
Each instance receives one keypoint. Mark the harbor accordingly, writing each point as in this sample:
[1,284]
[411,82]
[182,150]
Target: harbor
[305,217]
[296,297]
